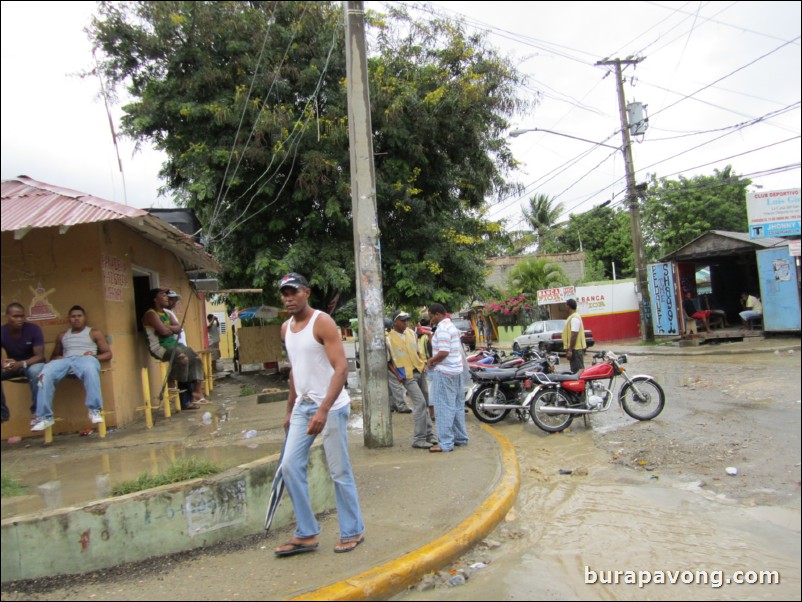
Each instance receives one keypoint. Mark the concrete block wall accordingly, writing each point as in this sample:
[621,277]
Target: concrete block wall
[160,521]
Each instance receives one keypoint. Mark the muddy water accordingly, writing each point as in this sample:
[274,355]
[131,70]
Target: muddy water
[76,470]
[65,481]
[569,529]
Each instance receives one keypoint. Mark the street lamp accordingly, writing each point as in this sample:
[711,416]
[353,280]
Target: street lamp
[516,133]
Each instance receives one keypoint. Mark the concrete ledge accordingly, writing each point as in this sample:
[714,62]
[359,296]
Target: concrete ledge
[391,578]
[155,522]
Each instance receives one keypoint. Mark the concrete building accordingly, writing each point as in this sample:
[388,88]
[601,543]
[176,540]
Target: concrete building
[62,248]
[573,264]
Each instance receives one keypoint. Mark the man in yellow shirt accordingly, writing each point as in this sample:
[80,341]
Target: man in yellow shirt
[574,339]
[407,366]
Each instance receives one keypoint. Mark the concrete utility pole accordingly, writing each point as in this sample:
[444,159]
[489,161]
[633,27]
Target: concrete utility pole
[370,303]
[647,333]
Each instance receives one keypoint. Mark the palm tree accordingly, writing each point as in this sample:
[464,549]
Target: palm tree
[533,274]
[542,217]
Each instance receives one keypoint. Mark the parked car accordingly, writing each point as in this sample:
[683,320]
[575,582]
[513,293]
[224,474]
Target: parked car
[468,336]
[546,336]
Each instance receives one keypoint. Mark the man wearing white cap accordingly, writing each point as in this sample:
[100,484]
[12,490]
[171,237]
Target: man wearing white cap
[408,367]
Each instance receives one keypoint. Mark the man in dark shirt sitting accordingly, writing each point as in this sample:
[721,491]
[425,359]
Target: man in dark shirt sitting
[24,346]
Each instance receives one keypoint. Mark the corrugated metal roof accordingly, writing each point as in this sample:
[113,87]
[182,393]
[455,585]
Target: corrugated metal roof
[28,204]
[721,242]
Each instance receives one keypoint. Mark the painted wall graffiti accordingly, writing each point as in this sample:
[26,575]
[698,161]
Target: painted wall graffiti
[115,278]
[663,302]
[209,508]
[40,308]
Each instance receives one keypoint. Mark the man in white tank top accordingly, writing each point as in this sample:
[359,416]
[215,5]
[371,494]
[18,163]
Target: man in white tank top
[80,351]
[318,403]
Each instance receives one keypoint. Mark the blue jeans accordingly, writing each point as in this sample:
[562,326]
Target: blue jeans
[449,410]
[85,367]
[296,459]
[32,373]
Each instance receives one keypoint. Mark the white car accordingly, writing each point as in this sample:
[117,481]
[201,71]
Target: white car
[546,336]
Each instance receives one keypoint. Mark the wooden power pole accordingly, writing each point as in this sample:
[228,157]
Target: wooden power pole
[644,304]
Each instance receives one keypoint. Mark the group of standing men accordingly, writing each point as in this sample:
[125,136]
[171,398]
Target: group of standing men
[411,361]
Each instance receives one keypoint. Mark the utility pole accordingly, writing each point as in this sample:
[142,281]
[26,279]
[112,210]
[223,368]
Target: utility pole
[375,403]
[632,201]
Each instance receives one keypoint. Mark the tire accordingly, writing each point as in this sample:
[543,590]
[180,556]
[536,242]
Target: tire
[646,407]
[542,347]
[551,423]
[516,346]
[490,415]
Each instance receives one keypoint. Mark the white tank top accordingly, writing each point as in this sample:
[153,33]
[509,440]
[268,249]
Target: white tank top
[311,369]
[78,343]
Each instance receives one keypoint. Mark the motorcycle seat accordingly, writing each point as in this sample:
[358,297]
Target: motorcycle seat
[494,375]
[562,377]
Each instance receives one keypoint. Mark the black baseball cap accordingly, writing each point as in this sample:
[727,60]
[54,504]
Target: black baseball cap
[293,279]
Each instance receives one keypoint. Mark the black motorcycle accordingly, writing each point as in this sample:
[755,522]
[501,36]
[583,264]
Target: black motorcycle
[496,392]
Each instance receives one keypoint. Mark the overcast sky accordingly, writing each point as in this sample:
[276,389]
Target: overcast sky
[707,67]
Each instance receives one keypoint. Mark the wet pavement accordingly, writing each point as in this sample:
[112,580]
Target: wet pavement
[409,497]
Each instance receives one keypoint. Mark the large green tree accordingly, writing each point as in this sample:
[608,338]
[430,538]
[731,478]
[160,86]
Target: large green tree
[605,235]
[248,101]
[675,212]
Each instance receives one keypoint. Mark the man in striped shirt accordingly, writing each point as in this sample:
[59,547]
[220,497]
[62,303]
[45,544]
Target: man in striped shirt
[446,391]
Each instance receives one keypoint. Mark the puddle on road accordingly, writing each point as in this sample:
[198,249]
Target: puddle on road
[615,519]
[69,481]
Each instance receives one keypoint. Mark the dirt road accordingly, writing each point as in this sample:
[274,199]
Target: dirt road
[656,496]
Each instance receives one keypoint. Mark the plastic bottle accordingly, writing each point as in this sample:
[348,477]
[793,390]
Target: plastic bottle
[206,418]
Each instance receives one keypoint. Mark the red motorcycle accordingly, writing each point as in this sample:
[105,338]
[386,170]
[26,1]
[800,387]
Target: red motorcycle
[557,398]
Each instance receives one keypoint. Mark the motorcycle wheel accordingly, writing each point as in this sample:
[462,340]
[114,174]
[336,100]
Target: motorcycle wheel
[488,415]
[516,346]
[643,399]
[551,423]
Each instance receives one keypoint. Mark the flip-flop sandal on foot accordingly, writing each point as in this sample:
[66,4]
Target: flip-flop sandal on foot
[296,548]
[349,544]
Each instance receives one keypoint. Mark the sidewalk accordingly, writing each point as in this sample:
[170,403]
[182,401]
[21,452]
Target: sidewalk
[421,511]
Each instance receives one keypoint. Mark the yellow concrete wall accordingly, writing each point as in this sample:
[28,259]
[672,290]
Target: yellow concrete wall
[91,265]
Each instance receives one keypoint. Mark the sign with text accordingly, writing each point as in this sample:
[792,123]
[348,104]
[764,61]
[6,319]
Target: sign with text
[549,296]
[664,299]
[773,213]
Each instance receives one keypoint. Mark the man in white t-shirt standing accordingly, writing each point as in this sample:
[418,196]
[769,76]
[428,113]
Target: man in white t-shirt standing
[446,390]
[317,403]
[574,339]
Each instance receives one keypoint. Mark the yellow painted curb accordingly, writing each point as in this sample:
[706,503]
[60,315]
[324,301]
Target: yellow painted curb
[392,577]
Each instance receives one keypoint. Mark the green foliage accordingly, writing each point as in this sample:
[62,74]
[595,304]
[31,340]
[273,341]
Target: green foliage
[675,212]
[248,100]
[182,469]
[10,486]
[533,274]
[606,237]
[246,390]
[542,215]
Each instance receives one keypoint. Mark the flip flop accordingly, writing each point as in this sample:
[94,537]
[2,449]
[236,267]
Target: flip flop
[350,543]
[296,548]
[435,450]
[203,401]
[191,406]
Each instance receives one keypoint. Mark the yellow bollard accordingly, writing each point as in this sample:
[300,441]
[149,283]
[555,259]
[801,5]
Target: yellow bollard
[146,390]
[171,393]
